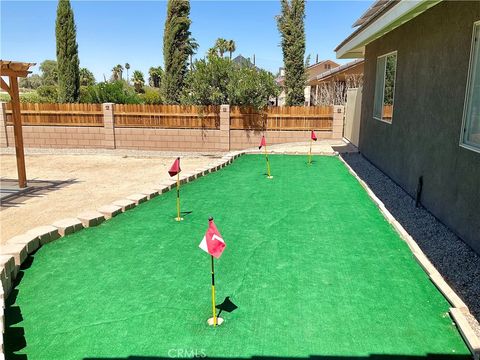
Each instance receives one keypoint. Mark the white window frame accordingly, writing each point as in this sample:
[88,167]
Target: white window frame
[467,93]
[383,90]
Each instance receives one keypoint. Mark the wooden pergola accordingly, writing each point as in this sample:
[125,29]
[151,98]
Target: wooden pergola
[13,70]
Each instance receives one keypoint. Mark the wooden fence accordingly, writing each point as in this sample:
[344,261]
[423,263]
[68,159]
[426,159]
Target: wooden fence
[387,112]
[58,114]
[293,118]
[167,116]
[296,118]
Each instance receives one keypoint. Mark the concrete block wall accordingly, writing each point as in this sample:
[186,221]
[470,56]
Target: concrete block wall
[59,136]
[109,136]
[168,139]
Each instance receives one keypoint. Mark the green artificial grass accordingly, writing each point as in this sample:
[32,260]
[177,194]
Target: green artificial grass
[313,266]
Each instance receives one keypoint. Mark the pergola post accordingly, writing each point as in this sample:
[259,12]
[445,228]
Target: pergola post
[17,132]
[14,70]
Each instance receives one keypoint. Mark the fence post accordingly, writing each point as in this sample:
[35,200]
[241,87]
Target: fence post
[337,126]
[3,125]
[108,126]
[225,127]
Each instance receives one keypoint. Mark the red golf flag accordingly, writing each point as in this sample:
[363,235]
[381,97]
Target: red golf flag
[263,142]
[175,169]
[212,242]
[313,136]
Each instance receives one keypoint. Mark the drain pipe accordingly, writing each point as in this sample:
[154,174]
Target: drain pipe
[419,191]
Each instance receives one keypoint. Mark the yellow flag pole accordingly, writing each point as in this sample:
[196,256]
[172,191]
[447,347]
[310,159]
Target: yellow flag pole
[310,153]
[214,312]
[178,197]
[268,163]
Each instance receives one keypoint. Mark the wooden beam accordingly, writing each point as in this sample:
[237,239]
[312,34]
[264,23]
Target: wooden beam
[14,73]
[4,85]
[17,131]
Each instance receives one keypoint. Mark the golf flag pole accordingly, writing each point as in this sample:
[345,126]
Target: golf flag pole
[175,170]
[178,197]
[310,153]
[313,137]
[263,143]
[213,244]
[214,312]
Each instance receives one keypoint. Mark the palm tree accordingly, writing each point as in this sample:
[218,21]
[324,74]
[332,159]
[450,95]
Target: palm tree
[222,46]
[212,52]
[231,47]
[192,47]
[155,75]
[86,77]
[138,81]
[117,72]
[127,66]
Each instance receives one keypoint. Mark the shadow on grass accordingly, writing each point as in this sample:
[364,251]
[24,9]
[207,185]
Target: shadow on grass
[14,335]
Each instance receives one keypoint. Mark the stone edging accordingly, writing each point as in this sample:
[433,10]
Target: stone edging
[16,250]
[459,309]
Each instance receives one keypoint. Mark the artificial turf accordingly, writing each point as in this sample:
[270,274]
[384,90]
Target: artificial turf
[313,266]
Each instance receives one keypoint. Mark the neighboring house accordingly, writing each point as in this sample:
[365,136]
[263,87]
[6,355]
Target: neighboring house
[420,115]
[312,72]
[330,86]
[240,60]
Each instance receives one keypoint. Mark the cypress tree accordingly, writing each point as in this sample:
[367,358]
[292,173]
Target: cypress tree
[292,29]
[177,46]
[67,54]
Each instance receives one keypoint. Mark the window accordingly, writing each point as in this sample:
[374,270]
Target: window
[470,136]
[385,87]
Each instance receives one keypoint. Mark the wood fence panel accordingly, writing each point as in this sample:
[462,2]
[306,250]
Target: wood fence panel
[167,116]
[294,118]
[387,112]
[58,114]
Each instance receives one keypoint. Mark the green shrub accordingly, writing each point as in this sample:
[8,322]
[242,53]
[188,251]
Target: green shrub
[217,80]
[152,96]
[33,97]
[116,92]
[4,97]
[49,93]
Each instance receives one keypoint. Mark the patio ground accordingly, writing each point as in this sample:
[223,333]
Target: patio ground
[70,181]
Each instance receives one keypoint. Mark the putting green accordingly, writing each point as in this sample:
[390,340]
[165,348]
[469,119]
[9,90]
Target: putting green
[313,266]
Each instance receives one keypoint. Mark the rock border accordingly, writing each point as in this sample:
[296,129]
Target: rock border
[459,309]
[16,250]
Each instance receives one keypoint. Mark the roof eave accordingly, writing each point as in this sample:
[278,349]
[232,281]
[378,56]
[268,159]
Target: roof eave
[354,45]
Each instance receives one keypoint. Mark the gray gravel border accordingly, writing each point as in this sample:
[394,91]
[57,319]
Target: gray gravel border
[455,260]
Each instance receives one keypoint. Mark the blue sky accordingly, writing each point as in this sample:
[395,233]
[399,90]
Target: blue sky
[116,32]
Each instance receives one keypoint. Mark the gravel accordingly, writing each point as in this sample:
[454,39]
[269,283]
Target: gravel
[455,260]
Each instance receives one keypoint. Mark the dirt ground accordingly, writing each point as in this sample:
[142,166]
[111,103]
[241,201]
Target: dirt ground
[71,181]
[76,182]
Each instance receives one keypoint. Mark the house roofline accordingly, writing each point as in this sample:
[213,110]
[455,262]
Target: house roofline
[391,16]
[339,69]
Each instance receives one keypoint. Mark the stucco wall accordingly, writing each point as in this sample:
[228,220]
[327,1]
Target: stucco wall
[423,139]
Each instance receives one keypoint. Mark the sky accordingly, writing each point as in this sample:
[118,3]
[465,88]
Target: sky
[116,32]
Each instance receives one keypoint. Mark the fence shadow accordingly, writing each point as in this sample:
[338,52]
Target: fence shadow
[12,197]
